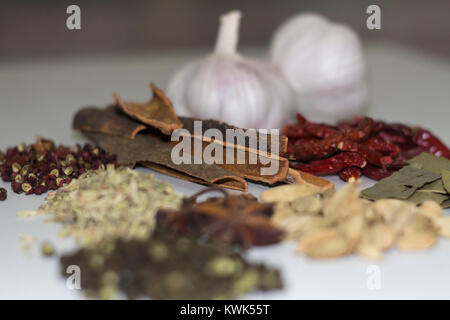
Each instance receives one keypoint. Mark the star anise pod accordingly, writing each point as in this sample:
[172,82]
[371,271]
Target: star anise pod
[239,220]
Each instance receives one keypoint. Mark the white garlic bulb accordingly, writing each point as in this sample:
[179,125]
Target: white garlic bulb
[230,88]
[324,64]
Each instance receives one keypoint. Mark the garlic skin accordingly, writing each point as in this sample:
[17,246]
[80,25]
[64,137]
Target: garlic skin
[324,64]
[230,88]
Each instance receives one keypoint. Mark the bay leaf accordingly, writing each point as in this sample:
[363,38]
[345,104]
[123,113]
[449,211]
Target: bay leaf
[386,189]
[400,185]
[420,197]
[446,179]
[430,162]
[413,177]
[435,186]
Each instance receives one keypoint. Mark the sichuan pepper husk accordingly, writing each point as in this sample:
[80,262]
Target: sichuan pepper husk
[385,147]
[166,267]
[44,166]
[231,220]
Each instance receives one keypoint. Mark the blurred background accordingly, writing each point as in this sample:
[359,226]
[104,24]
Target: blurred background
[36,29]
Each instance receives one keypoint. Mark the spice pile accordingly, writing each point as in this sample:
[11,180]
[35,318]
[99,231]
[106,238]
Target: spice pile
[44,166]
[164,267]
[231,220]
[427,177]
[106,204]
[375,149]
[335,224]
[133,131]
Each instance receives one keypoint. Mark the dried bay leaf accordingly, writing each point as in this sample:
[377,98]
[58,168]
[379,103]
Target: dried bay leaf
[157,113]
[413,177]
[430,162]
[446,179]
[445,204]
[400,185]
[420,197]
[435,186]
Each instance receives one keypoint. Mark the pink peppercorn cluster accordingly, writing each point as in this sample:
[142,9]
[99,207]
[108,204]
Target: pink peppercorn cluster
[43,166]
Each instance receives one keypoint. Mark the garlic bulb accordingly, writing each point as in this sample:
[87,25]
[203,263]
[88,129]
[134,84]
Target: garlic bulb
[324,64]
[230,88]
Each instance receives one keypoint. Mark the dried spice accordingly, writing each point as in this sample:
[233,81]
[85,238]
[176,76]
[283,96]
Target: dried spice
[408,183]
[335,224]
[142,150]
[168,268]
[108,121]
[323,148]
[102,135]
[446,179]
[157,113]
[47,249]
[3,194]
[110,203]
[44,166]
[304,178]
[401,185]
[239,220]
[188,124]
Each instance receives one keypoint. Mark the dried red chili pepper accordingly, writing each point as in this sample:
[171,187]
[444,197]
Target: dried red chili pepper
[385,146]
[382,146]
[350,172]
[332,165]
[430,143]
[376,173]
[294,131]
[320,130]
[311,149]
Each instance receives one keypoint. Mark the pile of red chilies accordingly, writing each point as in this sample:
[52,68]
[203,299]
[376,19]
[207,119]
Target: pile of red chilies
[375,149]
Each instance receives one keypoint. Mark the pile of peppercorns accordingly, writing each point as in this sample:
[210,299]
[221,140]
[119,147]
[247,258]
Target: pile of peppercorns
[43,166]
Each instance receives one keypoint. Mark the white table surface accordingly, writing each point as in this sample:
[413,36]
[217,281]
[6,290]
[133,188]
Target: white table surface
[40,98]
